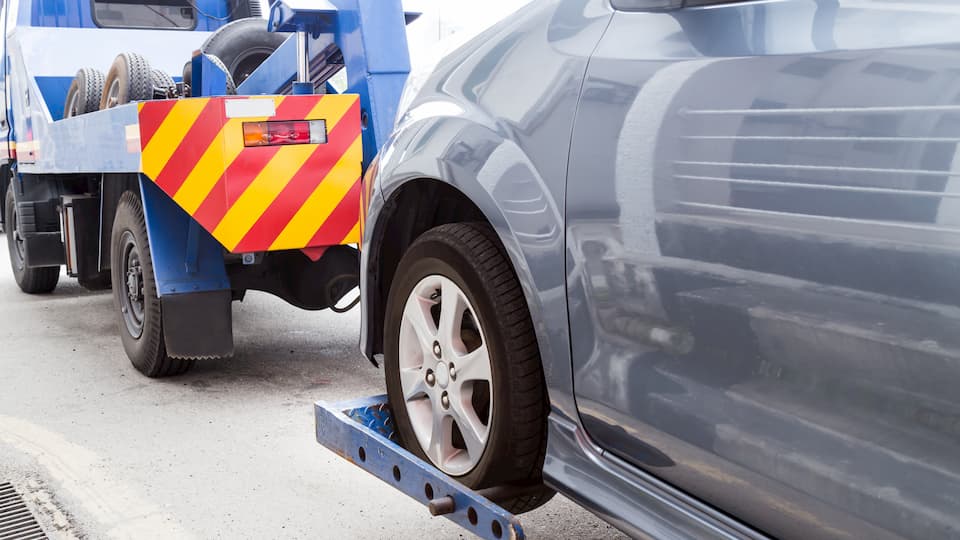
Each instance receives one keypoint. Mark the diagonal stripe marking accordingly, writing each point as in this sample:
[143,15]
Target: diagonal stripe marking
[157,152]
[250,205]
[151,115]
[304,182]
[241,168]
[198,139]
[317,209]
[344,219]
[209,168]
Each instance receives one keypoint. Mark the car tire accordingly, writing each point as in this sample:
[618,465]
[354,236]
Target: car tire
[130,78]
[243,45]
[85,93]
[30,280]
[500,374]
[135,293]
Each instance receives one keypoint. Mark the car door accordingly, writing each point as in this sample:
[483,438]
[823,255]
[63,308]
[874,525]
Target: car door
[763,222]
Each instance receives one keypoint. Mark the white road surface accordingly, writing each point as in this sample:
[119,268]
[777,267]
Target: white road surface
[225,451]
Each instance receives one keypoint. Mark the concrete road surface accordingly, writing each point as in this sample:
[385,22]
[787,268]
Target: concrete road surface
[225,451]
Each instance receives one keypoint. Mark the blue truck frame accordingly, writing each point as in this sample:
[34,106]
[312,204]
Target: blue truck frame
[365,36]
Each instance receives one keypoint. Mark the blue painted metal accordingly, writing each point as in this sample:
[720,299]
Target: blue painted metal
[361,431]
[303,88]
[186,259]
[54,92]
[207,78]
[371,34]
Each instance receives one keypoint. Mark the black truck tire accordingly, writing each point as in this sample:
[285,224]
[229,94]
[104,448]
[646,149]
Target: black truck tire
[135,293]
[130,79]
[188,77]
[243,45]
[164,87]
[468,260]
[84,94]
[30,280]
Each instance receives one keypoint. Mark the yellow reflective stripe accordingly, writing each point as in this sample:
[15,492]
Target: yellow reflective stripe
[324,199]
[262,191]
[168,136]
[215,159]
[352,237]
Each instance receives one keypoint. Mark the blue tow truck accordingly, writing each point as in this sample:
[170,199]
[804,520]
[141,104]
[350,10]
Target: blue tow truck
[241,171]
[213,157]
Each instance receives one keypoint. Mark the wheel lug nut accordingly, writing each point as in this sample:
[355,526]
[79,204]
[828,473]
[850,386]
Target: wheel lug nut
[453,372]
[445,400]
[431,378]
[436,349]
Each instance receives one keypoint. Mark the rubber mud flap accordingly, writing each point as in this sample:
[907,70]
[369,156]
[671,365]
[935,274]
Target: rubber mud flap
[198,325]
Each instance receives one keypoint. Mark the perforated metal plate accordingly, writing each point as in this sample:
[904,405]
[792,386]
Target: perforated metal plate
[16,521]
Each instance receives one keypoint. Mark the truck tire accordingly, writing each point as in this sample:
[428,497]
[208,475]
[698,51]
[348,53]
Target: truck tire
[243,45]
[188,77]
[130,79]
[468,392]
[30,280]
[85,93]
[135,293]
[164,87]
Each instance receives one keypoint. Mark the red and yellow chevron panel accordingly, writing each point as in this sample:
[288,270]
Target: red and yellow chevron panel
[258,198]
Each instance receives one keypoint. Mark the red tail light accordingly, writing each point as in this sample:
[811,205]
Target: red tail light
[284,132]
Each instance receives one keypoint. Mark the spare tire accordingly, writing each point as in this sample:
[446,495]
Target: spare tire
[188,77]
[129,79]
[84,93]
[243,45]
[164,87]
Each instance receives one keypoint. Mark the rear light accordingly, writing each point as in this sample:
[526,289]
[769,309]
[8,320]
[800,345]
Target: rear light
[284,132]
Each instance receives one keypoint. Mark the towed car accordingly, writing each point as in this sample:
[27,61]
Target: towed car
[694,264]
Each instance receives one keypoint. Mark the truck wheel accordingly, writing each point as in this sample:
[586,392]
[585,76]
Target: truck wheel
[188,77]
[243,45]
[462,363]
[129,79]
[164,87]
[135,293]
[30,280]
[84,94]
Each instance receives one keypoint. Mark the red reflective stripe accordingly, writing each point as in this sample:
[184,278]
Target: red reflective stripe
[243,170]
[198,138]
[241,174]
[341,221]
[303,183]
[152,116]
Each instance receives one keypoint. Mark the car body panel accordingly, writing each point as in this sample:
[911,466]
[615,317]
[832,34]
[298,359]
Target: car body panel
[736,227]
[762,219]
[502,142]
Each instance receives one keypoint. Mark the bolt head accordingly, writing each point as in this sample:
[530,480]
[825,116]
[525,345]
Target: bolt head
[453,372]
[436,349]
[431,378]
[445,401]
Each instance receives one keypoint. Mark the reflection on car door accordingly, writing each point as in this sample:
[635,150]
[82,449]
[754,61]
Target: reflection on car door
[763,217]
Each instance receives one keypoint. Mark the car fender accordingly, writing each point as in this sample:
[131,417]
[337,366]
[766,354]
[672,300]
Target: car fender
[465,149]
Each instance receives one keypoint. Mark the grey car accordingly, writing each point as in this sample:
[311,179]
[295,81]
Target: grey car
[694,264]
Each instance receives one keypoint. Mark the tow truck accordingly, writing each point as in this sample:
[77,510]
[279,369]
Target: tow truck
[182,192]
[242,173]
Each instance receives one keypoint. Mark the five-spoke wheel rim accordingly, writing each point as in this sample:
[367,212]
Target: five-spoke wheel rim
[131,294]
[446,375]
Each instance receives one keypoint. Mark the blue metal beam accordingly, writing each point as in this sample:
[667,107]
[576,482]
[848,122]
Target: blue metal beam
[186,259]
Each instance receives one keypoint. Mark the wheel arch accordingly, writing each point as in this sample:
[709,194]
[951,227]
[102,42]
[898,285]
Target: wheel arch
[482,177]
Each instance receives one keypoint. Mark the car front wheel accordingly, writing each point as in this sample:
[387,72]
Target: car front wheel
[463,366]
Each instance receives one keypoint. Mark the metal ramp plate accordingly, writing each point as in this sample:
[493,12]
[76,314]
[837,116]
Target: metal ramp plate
[362,432]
